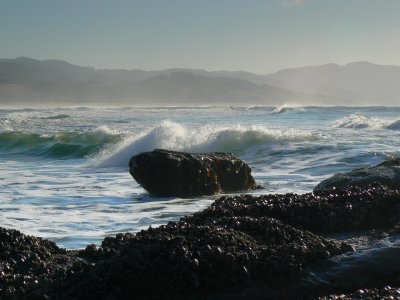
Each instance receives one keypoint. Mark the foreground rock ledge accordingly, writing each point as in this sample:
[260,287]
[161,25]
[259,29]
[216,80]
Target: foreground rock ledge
[169,173]
[240,247]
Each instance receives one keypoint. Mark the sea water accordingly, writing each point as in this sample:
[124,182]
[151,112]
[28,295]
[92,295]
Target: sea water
[64,171]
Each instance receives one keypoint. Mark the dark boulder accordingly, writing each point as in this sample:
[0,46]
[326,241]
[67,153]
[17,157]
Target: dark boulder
[170,173]
[386,173]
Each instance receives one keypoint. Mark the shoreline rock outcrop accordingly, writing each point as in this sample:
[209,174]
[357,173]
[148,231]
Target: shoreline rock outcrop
[322,212]
[32,266]
[240,247]
[386,173]
[180,174]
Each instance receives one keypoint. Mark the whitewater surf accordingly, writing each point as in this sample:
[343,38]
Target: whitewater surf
[65,170]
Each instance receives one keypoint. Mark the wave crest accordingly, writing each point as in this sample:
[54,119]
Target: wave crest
[281,109]
[58,145]
[173,136]
[358,121]
[56,117]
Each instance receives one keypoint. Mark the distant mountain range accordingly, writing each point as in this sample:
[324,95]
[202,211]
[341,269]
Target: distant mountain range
[26,80]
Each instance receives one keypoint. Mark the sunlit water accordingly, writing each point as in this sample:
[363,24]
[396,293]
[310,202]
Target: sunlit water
[64,173]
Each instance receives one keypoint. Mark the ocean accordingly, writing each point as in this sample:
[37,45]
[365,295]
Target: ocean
[64,171]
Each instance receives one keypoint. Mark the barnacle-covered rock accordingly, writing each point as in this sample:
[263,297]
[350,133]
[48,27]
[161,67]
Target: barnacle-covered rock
[184,259]
[31,266]
[241,246]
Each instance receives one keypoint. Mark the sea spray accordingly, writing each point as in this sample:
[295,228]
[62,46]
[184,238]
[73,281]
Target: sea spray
[173,136]
[359,121]
[281,109]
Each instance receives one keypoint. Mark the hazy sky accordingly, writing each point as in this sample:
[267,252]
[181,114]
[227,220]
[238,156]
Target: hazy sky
[260,36]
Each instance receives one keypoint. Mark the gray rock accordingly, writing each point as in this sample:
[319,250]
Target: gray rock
[169,173]
[386,173]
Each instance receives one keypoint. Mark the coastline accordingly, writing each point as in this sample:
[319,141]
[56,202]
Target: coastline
[248,247]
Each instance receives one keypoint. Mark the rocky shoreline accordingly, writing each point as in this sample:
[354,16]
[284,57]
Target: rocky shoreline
[241,247]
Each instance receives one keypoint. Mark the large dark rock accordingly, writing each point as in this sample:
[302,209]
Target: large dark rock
[386,173]
[170,173]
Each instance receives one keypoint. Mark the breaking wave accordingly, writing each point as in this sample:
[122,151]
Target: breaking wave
[281,109]
[358,121]
[361,121]
[173,136]
[56,117]
[58,145]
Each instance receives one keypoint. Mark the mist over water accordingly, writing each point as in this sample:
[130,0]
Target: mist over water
[65,170]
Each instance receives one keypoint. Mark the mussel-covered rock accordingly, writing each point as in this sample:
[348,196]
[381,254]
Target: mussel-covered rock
[170,173]
[31,266]
[244,247]
[183,259]
[325,211]
[386,173]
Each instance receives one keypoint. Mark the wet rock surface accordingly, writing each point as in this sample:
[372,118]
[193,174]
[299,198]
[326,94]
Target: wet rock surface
[240,247]
[387,292]
[386,173]
[169,173]
[31,266]
[375,263]
[326,211]
[184,259]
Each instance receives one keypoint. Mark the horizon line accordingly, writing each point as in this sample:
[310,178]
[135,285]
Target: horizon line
[193,68]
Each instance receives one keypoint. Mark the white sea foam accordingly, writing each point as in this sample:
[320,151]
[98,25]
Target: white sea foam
[20,119]
[281,109]
[168,135]
[174,136]
[105,130]
[52,195]
[15,118]
[359,121]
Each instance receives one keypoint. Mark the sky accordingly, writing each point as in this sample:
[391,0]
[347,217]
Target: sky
[259,36]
